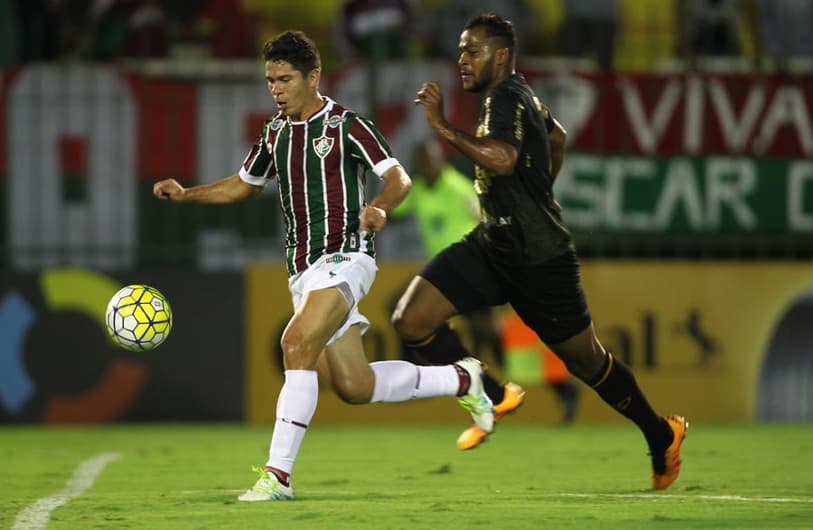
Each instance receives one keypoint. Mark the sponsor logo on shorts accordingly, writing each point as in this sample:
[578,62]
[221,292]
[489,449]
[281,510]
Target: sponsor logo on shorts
[337,258]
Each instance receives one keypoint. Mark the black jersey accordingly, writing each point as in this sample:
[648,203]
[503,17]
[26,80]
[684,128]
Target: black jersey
[521,218]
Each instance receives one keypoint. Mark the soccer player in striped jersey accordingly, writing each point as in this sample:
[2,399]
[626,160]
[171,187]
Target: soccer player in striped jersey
[318,152]
[521,252]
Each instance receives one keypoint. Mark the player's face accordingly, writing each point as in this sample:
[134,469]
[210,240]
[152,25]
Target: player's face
[476,62]
[293,93]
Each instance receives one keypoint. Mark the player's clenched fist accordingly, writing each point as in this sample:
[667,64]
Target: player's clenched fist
[168,189]
[429,93]
[372,218]
[431,97]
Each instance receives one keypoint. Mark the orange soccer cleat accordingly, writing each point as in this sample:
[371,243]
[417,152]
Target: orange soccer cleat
[666,467]
[474,435]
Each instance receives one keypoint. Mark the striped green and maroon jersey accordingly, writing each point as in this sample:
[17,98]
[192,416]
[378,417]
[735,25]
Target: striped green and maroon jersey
[320,166]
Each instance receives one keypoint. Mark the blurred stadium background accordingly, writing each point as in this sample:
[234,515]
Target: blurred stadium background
[688,184]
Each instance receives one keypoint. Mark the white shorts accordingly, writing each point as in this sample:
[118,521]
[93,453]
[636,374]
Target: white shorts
[352,272]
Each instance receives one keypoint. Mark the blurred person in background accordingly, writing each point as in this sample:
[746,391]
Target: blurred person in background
[445,207]
[590,27]
[645,36]
[49,29]
[521,253]
[527,359]
[228,29]
[136,29]
[375,29]
[442,199]
[453,14]
[711,28]
[319,151]
[9,36]
[785,31]
[317,19]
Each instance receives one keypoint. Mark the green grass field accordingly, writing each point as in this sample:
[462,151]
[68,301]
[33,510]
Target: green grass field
[413,477]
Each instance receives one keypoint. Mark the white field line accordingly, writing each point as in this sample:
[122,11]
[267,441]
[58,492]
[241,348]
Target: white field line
[37,515]
[659,496]
[207,492]
[652,496]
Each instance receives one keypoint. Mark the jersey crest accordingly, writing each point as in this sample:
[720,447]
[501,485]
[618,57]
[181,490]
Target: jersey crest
[322,146]
[316,164]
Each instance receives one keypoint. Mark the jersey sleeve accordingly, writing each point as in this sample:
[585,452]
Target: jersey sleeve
[258,166]
[504,117]
[369,147]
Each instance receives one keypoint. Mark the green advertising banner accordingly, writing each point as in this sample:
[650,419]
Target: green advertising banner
[683,196]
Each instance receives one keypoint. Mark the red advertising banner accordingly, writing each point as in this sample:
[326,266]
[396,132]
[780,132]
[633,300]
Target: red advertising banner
[684,113]
[679,155]
[167,127]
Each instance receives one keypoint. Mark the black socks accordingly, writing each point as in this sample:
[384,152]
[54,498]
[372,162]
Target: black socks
[617,386]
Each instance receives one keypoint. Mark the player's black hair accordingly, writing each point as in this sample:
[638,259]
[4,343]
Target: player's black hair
[496,27]
[296,48]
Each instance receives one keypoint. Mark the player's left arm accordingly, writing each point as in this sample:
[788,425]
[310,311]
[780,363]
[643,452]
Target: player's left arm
[370,148]
[557,137]
[397,184]
[490,154]
[224,191]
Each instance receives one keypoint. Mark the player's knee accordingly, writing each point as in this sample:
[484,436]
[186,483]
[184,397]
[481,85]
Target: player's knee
[397,320]
[583,354]
[297,351]
[583,364]
[407,326]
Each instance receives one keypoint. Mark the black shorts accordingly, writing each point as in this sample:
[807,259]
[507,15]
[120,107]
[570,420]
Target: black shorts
[547,296]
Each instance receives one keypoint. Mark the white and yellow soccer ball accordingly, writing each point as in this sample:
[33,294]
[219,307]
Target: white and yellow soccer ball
[138,318]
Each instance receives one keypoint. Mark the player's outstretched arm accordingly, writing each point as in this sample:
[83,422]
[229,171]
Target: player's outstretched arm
[492,155]
[396,186]
[224,191]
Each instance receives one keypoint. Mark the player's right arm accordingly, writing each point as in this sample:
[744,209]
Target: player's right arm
[224,191]
[486,152]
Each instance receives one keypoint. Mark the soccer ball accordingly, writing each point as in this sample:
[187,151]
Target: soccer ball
[138,318]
